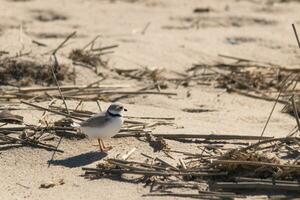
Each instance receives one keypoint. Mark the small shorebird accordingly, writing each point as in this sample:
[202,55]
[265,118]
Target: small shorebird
[104,124]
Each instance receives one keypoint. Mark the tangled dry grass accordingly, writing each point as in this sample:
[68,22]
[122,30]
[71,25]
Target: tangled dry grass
[86,57]
[26,71]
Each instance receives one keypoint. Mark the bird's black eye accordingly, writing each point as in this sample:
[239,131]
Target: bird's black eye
[121,107]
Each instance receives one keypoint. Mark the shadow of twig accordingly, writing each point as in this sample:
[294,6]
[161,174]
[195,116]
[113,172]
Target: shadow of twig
[11,146]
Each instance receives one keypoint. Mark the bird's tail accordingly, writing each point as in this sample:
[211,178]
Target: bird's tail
[75,125]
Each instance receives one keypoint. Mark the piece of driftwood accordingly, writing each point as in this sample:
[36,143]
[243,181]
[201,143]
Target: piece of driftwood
[206,195]
[274,181]
[127,155]
[88,95]
[143,164]
[167,164]
[202,136]
[161,118]
[62,129]
[70,87]
[240,162]
[269,140]
[257,186]
[89,171]
[37,128]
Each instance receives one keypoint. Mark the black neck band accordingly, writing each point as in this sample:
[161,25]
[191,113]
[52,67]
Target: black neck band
[113,115]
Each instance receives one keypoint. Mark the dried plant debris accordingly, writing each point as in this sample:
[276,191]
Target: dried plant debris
[64,122]
[32,135]
[247,77]
[279,164]
[85,57]
[26,71]
[256,79]
[52,184]
[16,72]
[288,107]
[157,143]
[197,110]
[7,141]
[160,175]
[48,15]
[149,168]
[202,10]
[8,117]
[50,35]
[244,76]
[154,76]
[241,39]
[214,172]
[92,56]
[248,170]
[203,21]
[3,52]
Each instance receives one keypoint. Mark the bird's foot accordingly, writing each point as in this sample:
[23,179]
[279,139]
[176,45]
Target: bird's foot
[106,149]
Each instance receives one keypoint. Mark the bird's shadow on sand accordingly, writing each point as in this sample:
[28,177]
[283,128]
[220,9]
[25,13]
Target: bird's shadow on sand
[79,160]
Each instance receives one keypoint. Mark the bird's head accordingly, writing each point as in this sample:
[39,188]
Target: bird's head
[116,109]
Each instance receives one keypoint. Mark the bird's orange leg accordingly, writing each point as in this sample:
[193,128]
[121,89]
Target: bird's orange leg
[105,148]
[102,149]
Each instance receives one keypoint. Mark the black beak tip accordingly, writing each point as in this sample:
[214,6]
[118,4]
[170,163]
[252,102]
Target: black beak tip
[125,109]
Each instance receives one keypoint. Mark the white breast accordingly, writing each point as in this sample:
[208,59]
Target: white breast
[109,129]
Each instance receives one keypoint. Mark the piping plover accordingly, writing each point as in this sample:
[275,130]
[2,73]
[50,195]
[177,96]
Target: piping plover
[104,124]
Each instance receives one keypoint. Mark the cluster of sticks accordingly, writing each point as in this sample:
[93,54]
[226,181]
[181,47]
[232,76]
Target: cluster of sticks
[91,92]
[34,135]
[247,77]
[225,167]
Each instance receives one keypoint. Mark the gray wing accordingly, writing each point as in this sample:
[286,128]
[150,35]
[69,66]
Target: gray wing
[96,120]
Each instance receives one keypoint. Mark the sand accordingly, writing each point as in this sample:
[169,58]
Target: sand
[250,29]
